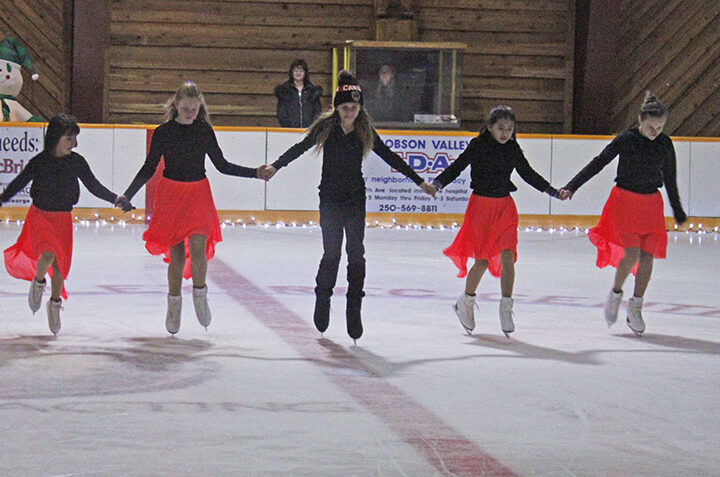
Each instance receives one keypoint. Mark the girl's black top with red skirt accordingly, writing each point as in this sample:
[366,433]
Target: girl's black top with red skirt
[183,147]
[55,186]
[492,164]
[645,165]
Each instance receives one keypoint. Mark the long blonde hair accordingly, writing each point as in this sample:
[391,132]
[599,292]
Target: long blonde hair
[186,90]
[330,119]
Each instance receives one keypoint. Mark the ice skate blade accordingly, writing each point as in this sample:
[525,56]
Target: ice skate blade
[506,333]
[635,332]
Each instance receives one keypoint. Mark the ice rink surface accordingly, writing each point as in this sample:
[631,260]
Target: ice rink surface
[261,393]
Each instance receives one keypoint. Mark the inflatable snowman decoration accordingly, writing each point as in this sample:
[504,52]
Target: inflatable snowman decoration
[14,57]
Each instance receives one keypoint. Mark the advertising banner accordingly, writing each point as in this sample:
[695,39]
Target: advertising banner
[17,146]
[390,191]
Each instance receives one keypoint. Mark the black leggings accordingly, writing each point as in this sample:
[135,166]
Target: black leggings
[334,221]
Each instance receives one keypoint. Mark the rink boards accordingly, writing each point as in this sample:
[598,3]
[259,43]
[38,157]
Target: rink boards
[116,152]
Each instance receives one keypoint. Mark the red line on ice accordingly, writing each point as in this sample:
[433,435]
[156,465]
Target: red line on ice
[443,447]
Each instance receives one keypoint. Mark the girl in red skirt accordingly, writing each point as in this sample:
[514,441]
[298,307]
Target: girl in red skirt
[45,242]
[631,231]
[184,223]
[489,230]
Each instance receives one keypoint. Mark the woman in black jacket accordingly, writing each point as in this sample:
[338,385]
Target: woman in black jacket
[298,99]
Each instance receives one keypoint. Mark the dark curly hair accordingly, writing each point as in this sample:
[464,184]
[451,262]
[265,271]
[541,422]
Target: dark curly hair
[299,63]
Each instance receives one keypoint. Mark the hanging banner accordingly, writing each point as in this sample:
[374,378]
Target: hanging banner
[17,146]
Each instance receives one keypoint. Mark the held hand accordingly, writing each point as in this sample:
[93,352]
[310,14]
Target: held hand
[123,203]
[265,172]
[564,194]
[428,188]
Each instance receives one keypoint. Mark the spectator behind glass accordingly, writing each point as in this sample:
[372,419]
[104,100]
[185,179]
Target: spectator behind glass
[298,99]
[387,101]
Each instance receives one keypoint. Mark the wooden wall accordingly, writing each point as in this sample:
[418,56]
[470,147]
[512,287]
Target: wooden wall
[43,26]
[235,51]
[671,47]
[519,53]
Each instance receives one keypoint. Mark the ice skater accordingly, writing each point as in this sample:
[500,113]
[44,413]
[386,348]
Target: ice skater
[184,223]
[45,242]
[346,136]
[631,231]
[489,229]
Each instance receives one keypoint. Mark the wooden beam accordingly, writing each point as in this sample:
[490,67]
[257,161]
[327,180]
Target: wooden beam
[87,90]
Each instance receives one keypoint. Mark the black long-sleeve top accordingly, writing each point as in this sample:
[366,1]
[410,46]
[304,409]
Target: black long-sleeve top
[491,165]
[55,186]
[644,166]
[342,179]
[184,148]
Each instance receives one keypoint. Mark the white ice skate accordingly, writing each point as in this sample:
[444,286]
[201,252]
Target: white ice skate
[35,294]
[464,308]
[506,315]
[53,315]
[172,319]
[634,315]
[612,306]
[202,309]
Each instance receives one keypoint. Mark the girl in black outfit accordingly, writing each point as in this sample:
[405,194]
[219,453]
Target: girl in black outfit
[489,230]
[345,136]
[631,231]
[184,223]
[298,102]
[45,243]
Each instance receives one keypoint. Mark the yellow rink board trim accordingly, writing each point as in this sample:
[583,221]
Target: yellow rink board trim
[409,132]
[287,217]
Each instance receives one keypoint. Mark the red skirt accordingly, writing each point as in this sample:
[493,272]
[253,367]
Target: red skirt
[489,227]
[43,231]
[182,209]
[629,220]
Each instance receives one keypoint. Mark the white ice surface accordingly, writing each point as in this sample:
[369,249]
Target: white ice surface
[113,394]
